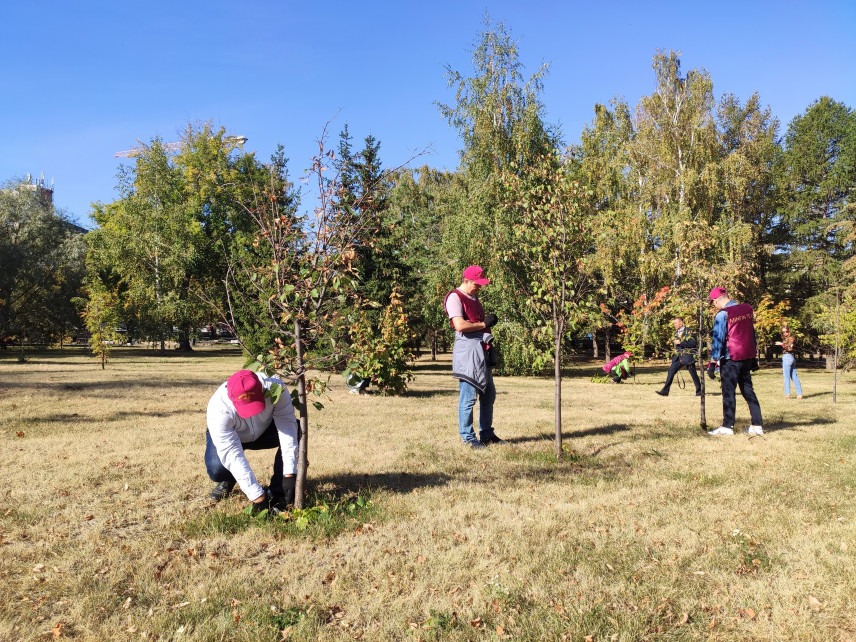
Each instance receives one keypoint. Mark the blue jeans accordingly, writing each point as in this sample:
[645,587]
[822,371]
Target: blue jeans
[268,439]
[789,371]
[465,409]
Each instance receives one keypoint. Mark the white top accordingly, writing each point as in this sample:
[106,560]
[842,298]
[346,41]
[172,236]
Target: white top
[228,431]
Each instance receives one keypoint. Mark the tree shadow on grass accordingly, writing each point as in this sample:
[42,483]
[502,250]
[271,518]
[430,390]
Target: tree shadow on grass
[397,482]
[432,367]
[427,394]
[610,429]
[122,415]
[119,386]
[797,423]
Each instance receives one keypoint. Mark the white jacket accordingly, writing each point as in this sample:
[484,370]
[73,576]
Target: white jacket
[228,431]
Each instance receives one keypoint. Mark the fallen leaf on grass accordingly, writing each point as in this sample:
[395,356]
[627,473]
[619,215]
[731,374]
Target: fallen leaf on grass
[20,433]
[684,619]
[476,623]
[499,630]
[814,602]
[286,633]
[181,606]
[420,559]
[589,638]
[57,630]
[454,590]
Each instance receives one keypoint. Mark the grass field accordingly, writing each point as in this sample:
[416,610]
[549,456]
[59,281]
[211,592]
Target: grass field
[647,530]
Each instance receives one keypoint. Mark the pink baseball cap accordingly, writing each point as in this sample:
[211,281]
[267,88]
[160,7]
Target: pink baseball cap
[246,393]
[475,273]
[715,293]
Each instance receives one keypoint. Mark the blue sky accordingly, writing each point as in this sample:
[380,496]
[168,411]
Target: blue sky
[81,81]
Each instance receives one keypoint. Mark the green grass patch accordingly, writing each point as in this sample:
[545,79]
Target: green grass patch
[326,516]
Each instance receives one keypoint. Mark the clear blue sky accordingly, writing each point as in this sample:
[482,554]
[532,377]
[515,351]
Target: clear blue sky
[83,80]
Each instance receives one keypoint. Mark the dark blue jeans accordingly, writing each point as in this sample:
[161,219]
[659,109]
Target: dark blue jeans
[268,439]
[675,368]
[736,374]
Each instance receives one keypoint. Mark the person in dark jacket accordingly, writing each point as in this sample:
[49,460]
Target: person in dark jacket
[685,344]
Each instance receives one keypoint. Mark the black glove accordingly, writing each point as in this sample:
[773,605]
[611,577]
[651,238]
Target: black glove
[490,320]
[258,507]
[711,369]
[288,484]
[755,366]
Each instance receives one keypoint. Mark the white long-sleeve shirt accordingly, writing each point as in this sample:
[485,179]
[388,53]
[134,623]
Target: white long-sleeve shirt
[228,431]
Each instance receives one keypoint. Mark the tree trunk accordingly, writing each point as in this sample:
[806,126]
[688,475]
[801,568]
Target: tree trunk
[594,350]
[184,341]
[303,426]
[558,400]
[703,414]
[433,345]
[606,352]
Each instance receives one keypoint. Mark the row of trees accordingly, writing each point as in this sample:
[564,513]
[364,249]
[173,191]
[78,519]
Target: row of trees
[606,239]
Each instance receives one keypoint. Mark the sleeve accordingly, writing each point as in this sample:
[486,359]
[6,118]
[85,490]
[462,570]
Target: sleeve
[286,426]
[688,342]
[454,307]
[720,331]
[225,438]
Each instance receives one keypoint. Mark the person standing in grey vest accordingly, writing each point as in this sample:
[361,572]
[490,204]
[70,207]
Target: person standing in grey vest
[473,357]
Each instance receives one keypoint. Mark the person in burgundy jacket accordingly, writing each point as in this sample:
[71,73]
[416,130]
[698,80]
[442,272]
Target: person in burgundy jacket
[473,357]
[735,352]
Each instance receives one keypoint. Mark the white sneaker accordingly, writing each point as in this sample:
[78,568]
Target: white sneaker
[722,430]
[755,431]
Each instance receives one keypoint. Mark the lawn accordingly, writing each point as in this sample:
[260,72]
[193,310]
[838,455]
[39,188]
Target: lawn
[647,529]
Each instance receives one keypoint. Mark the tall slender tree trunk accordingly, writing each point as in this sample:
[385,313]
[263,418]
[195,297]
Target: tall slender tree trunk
[557,374]
[702,409]
[606,339]
[835,362]
[303,425]
[594,349]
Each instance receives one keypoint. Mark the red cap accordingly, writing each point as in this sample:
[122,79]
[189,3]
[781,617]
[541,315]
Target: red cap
[246,393]
[715,293]
[475,273]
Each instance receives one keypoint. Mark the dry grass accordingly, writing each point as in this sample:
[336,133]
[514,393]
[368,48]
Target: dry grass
[649,530]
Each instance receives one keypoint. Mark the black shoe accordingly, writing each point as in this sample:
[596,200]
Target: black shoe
[491,438]
[698,393]
[475,445]
[222,490]
[662,393]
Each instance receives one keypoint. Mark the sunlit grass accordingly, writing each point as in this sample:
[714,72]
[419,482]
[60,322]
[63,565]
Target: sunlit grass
[645,529]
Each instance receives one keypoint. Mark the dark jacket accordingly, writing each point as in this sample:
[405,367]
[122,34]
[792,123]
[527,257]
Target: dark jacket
[685,350]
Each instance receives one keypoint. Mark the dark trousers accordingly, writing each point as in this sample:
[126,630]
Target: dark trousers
[675,368]
[268,439]
[736,374]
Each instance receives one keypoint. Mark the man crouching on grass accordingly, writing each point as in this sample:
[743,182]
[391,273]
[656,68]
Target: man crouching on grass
[242,416]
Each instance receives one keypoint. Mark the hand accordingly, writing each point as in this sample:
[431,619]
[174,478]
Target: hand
[711,369]
[288,484]
[261,503]
[755,366]
[490,320]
